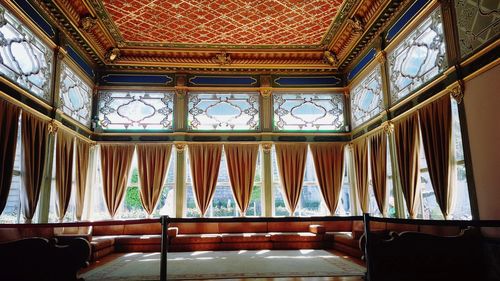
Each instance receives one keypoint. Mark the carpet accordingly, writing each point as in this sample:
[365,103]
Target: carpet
[226,265]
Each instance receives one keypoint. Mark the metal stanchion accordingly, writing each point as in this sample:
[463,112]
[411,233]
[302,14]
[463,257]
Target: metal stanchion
[164,247]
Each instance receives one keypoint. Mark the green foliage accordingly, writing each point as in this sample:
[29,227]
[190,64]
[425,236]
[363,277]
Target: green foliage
[132,198]
[134,179]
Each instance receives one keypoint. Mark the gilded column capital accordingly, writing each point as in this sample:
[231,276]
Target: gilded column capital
[388,127]
[61,53]
[381,56]
[53,127]
[457,91]
[266,92]
[348,146]
[181,92]
[180,146]
[267,147]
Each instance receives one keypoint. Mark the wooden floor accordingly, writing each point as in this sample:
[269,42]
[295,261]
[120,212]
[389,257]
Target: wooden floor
[114,256]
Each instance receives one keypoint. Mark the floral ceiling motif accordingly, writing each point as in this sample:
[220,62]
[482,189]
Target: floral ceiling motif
[227,22]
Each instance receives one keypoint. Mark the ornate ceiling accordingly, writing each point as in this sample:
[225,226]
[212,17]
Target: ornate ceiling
[219,24]
[222,35]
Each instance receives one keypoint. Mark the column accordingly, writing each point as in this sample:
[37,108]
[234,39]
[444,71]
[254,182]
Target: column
[267,184]
[399,203]
[180,179]
[44,200]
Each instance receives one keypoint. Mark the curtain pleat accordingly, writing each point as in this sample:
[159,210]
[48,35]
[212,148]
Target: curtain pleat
[407,137]
[291,159]
[435,122]
[82,168]
[9,123]
[35,136]
[360,157]
[64,171]
[378,167]
[152,160]
[116,160]
[241,162]
[329,165]
[205,162]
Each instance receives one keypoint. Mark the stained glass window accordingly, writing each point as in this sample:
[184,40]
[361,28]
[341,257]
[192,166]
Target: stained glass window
[24,58]
[223,111]
[478,22]
[309,112]
[75,96]
[367,98]
[418,58]
[136,110]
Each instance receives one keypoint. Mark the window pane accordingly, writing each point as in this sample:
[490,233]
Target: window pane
[132,206]
[367,98]
[223,111]
[223,203]
[99,209]
[311,200]
[462,209]
[166,204]
[344,205]
[477,23]
[391,201]
[418,58]
[191,205]
[24,58]
[255,206]
[308,112]
[76,96]
[429,208]
[136,110]
[71,211]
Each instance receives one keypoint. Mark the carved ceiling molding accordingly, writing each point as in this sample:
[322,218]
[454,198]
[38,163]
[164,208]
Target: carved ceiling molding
[355,26]
[381,22]
[64,25]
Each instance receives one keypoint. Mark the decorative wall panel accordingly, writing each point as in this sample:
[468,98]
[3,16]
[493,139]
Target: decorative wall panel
[308,112]
[24,58]
[136,110]
[367,98]
[75,96]
[417,58]
[223,111]
[478,22]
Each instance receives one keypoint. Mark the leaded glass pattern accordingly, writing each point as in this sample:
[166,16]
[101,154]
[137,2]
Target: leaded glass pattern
[136,110]
[308,112]
[478,22]
[417,58]
[367,98]
[223,111]
[24,58]
[75,96]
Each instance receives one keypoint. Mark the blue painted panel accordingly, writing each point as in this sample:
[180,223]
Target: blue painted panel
[80,61]
[248,81]
[136,79]
[302,81]
[414,9]
[362,64]
[36,17]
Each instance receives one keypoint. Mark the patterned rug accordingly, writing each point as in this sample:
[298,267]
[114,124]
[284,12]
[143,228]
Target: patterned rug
[226,265]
